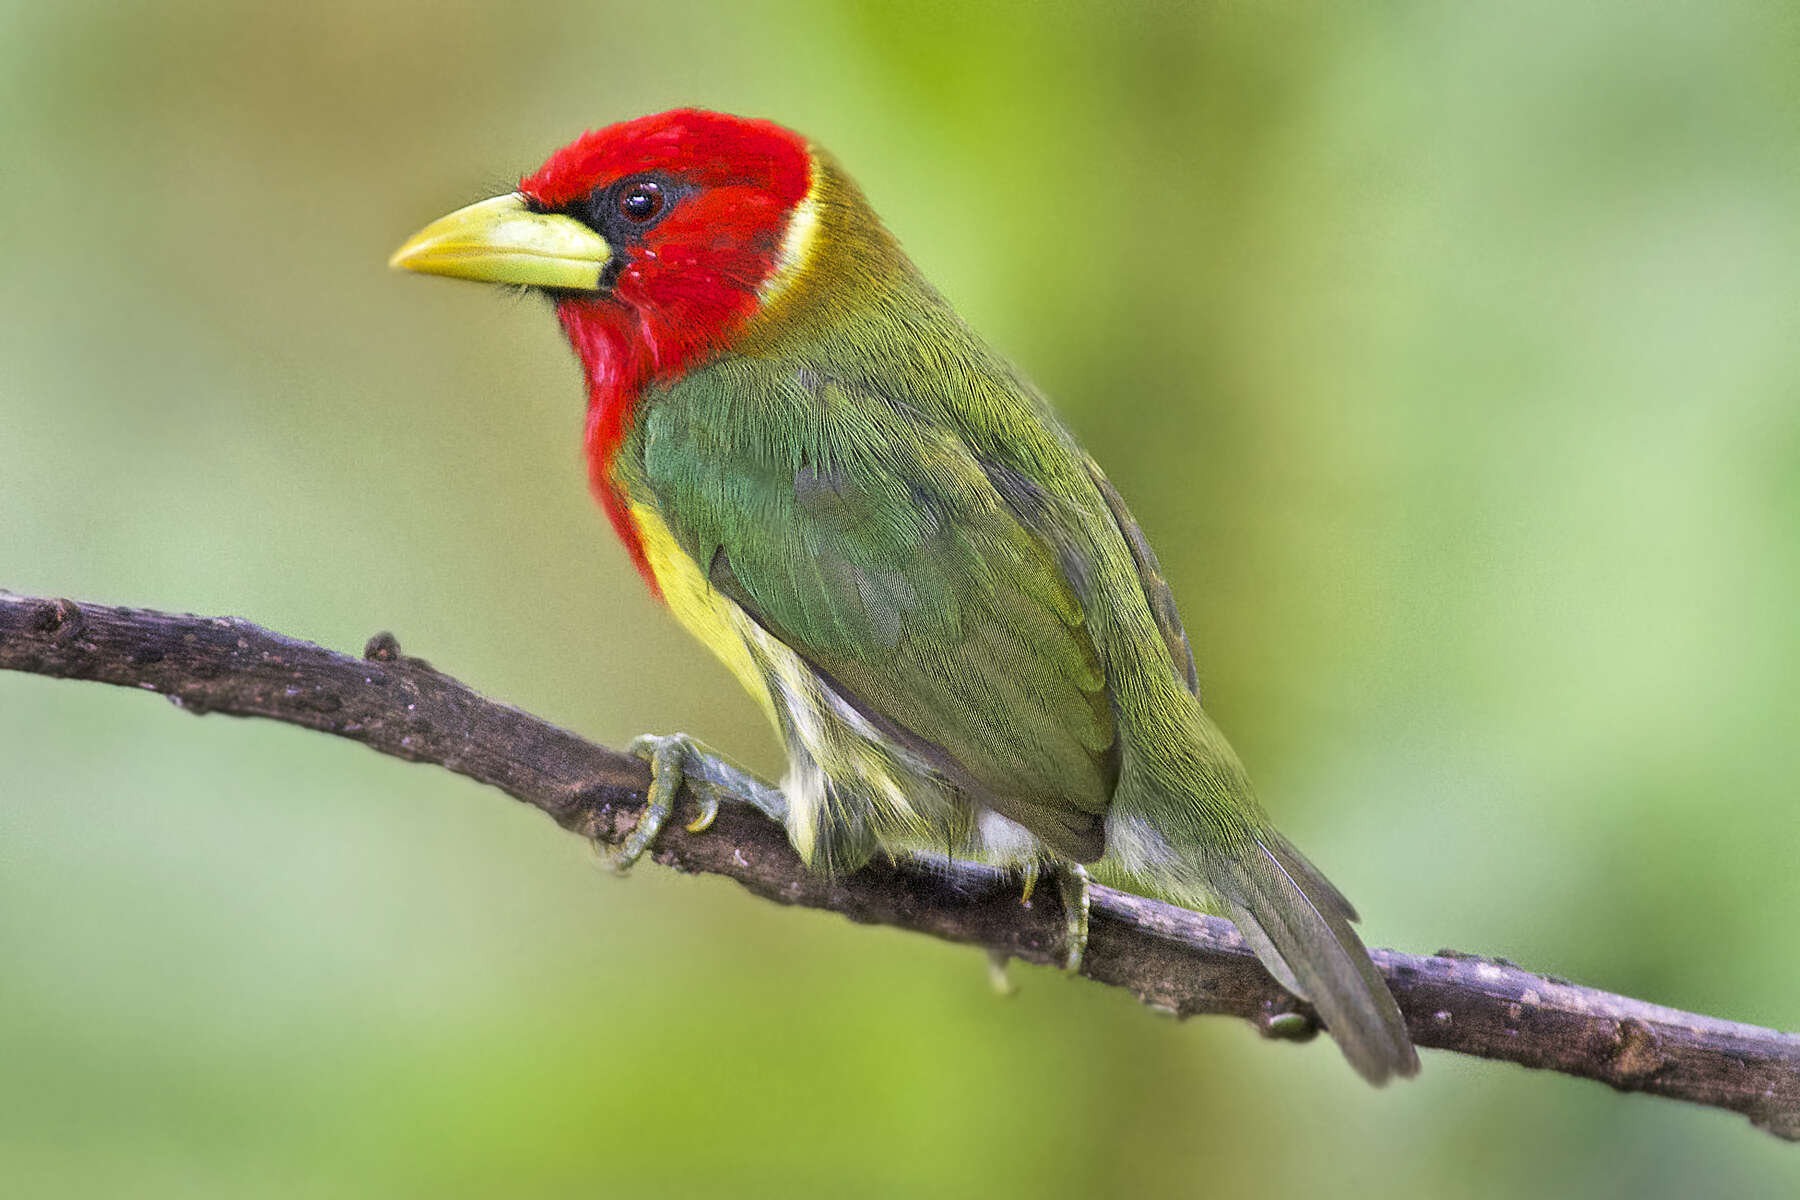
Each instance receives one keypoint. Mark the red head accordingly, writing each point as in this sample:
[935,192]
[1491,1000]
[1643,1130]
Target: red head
[656,237]
[694,205]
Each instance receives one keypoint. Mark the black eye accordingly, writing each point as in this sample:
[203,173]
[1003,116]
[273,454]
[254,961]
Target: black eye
[641,202]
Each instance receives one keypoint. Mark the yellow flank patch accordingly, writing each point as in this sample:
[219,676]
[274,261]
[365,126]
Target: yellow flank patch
[708,614]
[838,744]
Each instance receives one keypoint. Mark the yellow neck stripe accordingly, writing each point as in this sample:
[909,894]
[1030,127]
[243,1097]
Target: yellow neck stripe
[798,243]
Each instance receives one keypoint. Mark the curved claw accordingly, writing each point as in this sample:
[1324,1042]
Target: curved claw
[676,759]
[998,979]
[667,756]
[1029,872]
[708,800]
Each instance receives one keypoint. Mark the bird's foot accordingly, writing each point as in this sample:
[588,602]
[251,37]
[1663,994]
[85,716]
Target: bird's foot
[1072,887]
[668,756]
[676,759]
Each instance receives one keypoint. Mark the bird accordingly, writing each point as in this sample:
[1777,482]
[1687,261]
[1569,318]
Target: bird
[952,621]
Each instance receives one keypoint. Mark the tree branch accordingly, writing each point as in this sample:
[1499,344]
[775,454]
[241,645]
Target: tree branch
[1171,959]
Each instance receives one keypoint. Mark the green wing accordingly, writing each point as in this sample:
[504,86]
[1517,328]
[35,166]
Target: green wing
[873,543]
[1157,593]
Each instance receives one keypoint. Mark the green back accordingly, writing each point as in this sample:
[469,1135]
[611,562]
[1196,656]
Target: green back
[886,495]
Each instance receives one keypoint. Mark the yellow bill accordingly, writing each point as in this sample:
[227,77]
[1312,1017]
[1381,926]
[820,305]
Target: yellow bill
[503,241]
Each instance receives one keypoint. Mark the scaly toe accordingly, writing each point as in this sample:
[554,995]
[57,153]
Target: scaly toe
[1072,886]
[667,756]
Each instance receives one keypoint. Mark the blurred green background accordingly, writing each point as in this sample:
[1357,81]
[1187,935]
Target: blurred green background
[1447,353]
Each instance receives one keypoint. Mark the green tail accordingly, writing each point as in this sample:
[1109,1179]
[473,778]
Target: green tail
[1299,926]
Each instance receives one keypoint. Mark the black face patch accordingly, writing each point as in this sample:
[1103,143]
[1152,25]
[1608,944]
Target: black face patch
[624,211]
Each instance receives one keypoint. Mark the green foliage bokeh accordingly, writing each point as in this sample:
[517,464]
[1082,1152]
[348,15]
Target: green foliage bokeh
[1446,352]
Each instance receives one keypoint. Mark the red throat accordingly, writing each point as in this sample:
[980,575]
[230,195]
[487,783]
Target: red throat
[689,284]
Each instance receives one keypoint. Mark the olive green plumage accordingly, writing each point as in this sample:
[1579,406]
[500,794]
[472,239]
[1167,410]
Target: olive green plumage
[965,639]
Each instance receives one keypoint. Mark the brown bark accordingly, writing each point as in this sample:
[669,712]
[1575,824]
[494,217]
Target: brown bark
[1169,958]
